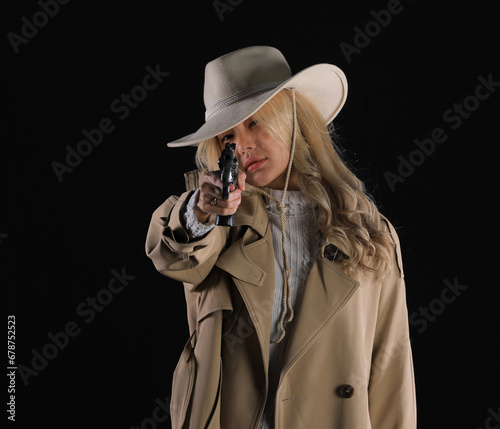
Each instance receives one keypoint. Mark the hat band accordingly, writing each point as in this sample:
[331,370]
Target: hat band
[238,96]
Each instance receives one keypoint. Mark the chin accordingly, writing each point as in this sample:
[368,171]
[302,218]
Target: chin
[266,182]
[258,181]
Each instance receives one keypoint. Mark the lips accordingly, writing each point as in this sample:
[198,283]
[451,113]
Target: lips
[253,163]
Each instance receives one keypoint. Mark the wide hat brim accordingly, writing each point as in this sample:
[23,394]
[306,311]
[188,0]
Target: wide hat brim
[325,85]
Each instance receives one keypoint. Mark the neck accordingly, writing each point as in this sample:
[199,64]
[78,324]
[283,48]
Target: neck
[279,183]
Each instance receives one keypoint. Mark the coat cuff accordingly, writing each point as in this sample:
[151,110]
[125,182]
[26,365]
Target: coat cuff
[194,228]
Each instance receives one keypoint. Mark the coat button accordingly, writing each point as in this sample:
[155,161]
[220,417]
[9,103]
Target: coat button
[346,391]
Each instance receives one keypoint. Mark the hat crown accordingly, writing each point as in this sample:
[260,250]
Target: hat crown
[238,84]
[241,71]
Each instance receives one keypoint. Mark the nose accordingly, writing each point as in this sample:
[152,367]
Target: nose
[244,141]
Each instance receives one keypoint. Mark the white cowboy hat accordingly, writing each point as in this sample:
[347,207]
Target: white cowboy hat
[238,84]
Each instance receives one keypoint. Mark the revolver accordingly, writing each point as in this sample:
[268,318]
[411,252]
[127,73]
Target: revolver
[228,166]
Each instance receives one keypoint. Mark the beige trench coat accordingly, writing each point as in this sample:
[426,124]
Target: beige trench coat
[348,363]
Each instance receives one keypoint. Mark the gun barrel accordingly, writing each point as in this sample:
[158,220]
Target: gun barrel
[228,166]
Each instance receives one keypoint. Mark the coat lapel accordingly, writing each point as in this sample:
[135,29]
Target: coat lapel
[327,291]
[250,263]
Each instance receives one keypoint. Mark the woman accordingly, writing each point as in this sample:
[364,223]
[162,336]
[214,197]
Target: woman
[297,313]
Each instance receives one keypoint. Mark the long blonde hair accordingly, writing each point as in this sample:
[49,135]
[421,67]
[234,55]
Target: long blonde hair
[345,213]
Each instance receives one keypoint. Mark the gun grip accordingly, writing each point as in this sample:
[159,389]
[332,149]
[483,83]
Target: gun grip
[224,220]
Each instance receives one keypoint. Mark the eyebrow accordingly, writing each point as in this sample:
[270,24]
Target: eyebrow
[231,130]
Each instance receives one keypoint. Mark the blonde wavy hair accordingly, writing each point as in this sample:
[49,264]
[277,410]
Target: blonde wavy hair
[345,213]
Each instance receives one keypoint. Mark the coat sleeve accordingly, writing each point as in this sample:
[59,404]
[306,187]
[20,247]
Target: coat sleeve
[169,247]
[392,387]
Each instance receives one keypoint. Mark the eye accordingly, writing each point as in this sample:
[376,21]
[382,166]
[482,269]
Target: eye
[227,137]
[252,124]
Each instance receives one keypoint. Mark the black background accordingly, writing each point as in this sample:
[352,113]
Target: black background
[61,239]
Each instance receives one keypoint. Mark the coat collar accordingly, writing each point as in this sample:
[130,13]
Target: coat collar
[238,260]
[252,212]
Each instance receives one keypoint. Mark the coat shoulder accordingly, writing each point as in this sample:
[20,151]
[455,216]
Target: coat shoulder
[397,245]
